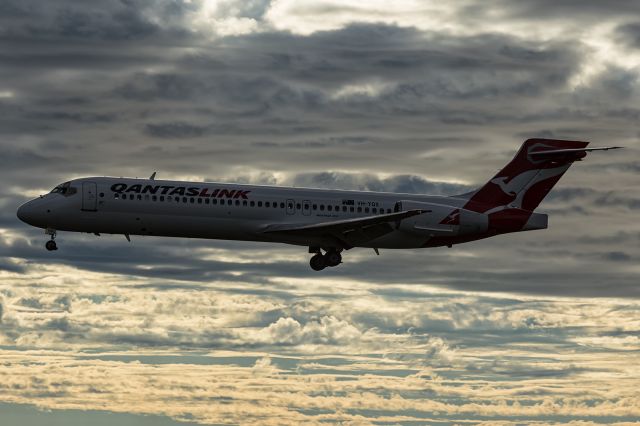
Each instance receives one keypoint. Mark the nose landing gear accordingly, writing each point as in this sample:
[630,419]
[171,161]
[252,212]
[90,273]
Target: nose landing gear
[331,258]
[51,244]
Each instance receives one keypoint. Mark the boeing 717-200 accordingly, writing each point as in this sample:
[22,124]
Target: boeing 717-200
[326,221]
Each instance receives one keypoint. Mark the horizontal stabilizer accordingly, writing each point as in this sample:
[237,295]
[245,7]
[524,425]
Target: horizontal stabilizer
[550,154]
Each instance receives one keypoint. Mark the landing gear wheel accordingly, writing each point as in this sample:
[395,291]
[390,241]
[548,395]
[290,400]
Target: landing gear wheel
[332,258]
[317,262]
[51,245]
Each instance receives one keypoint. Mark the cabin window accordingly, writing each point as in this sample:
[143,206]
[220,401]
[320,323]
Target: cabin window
[191,200]
[344,208]
[115,195]
[206,201]
[162,198]
[199,200]
[259,203]
[359,209]
[139,197]
[374,210]
[298,206]
[282,205]
[214,201]
[267,204]
[388,210]
[352,209]
[184,199]
[229,202]
[315,207]
[252,204]
[321,207]
[237,202]
[275,205]
[154,198]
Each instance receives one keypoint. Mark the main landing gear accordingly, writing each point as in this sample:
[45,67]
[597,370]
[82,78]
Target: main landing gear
[319,261]
[51,244]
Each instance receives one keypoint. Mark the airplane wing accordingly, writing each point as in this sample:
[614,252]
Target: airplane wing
[348,232]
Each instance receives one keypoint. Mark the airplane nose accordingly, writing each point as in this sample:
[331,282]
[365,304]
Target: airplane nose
[25,213]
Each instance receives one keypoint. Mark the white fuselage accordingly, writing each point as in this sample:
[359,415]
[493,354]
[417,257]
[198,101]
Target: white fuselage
[216,210]
[326,221]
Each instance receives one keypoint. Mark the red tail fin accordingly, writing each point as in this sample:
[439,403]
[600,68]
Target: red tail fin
[527,179]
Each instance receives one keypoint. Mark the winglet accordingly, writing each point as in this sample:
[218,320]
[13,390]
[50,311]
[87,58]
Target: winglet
[153,176]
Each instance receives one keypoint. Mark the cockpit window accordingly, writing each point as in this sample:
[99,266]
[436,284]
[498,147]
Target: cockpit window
[64,188]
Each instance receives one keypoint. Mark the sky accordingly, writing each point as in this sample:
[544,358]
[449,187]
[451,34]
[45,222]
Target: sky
[411,96]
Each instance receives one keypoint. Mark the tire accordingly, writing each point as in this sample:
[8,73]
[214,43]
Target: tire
[332,258]
[317,262]
[51,245]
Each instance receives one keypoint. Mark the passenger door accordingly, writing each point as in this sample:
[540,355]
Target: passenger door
[291,206]
[89,196]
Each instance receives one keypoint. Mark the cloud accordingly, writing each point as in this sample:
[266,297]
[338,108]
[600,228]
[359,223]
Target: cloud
[418,99]
[174,130]
[328,330]
[364,182]
[630,34]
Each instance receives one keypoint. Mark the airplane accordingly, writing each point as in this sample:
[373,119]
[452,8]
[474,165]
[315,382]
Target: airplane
[328,222]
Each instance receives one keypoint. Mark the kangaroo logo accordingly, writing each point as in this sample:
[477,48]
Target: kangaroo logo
[518,186]
[514,185]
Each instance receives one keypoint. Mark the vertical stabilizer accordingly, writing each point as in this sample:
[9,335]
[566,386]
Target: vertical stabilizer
[527,179]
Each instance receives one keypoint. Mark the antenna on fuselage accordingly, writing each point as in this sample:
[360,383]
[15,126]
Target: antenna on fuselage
[153,176]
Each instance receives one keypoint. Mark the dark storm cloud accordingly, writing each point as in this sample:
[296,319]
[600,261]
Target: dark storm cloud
[153,87]
[317,65]
[174,130]
[404,183]
[617,256]
[585,12]
[107,21]
[630,34]
[124,24]
[79,117]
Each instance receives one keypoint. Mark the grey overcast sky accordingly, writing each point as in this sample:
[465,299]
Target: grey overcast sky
[410,96]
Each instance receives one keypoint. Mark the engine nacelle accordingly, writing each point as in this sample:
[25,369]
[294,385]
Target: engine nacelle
[441,220]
